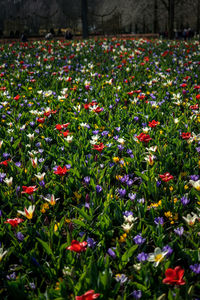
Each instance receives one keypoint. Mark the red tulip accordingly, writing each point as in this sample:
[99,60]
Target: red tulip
[153,123]
[99,147]
[17,97]
[88,296]
[59,126]
[198,97]
[5,162]
[166,177]
[98,109]
[174,276]
[29,189]
[65,133]
[14,222]
[144,137]
[186,135]
[41,120]
[61,171]
[194,107]
[78,247]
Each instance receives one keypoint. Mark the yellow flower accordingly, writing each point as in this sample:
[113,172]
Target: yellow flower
[186,187]
[116,159]
[161,132]
[67,220]
[175,200]
[168,214]
[171,188]
[44,207]
[122,238]
[56,226]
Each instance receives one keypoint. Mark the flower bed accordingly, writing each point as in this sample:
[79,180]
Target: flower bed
[99,169]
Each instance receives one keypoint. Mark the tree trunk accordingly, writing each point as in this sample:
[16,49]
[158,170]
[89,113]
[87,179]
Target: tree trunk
[84,11]
[198,18]
[171,5]
[155,21]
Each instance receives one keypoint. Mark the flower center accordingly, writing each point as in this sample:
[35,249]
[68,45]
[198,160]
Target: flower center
[158,257]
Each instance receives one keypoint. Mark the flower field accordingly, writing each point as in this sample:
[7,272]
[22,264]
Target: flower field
[99,170]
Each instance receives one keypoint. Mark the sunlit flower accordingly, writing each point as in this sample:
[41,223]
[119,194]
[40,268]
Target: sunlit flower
[40,176]
[2,253]
[157,256]
[127,227]
[195,184]
[34,162]
[30,136]
[28,213]
[121,278]
[51,199]
[8,181]
[190,218]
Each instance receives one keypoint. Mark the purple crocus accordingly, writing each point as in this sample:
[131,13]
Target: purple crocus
[194,177]
[142,256]
[179,230]
[2,176]
[111,253]
[20,236]
[159,220]
[122,192]
[195,268]
[168,249]
[132,196]
[137,294]
[139,240]
[86,179]
[185,200]
[91,242]
[127,213]
[12,276]
[98,188]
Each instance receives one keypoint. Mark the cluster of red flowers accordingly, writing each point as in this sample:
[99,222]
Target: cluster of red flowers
[87,105]
[29,189]
[59,126]
[5,162]
[166,177]
[153,123]
[186,135]
[142,137]
[77,246]
[99,147]
[48,113]
[61,171]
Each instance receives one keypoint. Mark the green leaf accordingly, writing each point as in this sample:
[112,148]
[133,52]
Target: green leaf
[83,214]
[129,253]
[46,247]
